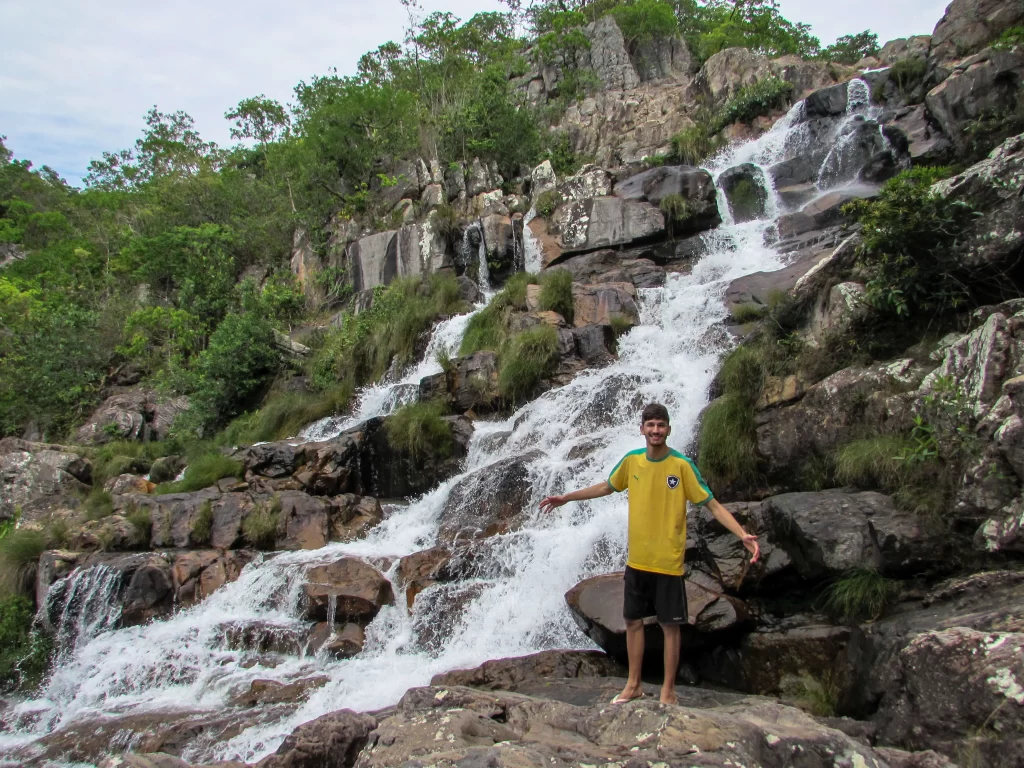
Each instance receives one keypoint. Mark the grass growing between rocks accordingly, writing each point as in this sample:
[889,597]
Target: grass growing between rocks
[126,457]
[860,594]
[818,696]
[899,465]
[98,504]
[419,429]
[141,521]
[260,526]
[20,549]
[203,471]
[531,356]
[556,293]
[285,415]
[202,528]
[24,653]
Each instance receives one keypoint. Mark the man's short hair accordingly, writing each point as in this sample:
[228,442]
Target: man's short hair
[654,411]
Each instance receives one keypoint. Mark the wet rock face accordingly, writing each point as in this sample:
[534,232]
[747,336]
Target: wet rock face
[596,605]
[358,590]
[489,501]
[744,188]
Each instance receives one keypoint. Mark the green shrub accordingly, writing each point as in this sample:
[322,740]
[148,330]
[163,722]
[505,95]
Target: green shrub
[260,526]
[873,462]
[20,549]
[547,203]
[644,20]
[556,293]
[202,527]
[531,355]
[24,654]
[907,74]
[126,456]
[620,324]
[859,594]
[489,328]
[363,347]
[1011,39]
[58,532]
[694,145]
[908,248]
[141,521]
[203,471]
[743,373]
[419,429]
[728,447]
[286,414]
[98,504]
[849,49]
[677,209]
[754,101]
[748,313]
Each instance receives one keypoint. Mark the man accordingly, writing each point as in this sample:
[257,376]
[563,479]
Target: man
[660,482]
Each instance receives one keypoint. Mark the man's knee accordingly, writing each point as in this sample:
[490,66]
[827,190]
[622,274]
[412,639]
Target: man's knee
[669,629]
[634,624]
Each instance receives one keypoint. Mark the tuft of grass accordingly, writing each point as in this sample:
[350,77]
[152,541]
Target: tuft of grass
[556,293]
[126,456]
[285,415]
[748,313]
[859,594]
[694,145]
[20,549]
[489,328]
[908,74]
[202,528]
[743,373]
[260,526]
[817,473]
[728,446]
[818,696]
[58,533]
[547,203]
[531,356]
[620,324]
[419,429]
[98,504]
[202,472]
[141,521]
[872,462]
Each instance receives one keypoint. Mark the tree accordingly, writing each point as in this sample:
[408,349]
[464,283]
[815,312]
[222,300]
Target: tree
[849,49]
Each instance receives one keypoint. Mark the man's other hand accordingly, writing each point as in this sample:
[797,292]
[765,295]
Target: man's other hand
[550,502]
[750,542]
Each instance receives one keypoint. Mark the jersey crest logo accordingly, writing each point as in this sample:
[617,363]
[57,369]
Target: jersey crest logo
[673,481]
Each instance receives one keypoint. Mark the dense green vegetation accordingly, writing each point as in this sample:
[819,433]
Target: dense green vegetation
[419,429]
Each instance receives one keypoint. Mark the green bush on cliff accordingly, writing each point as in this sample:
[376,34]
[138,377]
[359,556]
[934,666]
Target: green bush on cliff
[858,594]
[419,429]
[849,49]
[547,203]
[24,654]
[556,293]
[908,248]
[694,145]
[20,549]
[754,101]
[260,526]
[907,74]
[202,526]
[361,349]
[98,504]
[728,446]
[203,471]
[531,356]
[489,328]
[126,456]
[141,521]
[285,414]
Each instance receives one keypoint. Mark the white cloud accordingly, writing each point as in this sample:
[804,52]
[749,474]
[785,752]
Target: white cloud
[76,78]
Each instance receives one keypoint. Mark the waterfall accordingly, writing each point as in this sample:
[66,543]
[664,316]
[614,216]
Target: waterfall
[483,275]
[388,395]
[86,605]
[533,258]
[514,604]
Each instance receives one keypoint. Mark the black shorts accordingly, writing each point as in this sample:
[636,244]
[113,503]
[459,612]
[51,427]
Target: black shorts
[654,594]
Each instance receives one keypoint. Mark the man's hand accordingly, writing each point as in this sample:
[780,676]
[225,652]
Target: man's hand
[750,542]
[550,502]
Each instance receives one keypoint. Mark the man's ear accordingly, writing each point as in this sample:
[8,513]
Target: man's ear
[668,431]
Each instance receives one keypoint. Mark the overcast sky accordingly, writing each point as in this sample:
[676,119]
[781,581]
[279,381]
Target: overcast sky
[76,78]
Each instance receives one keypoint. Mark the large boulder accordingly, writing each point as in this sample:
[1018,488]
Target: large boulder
[745,189]
[978,88]
[829,532]
[996,237]
[596,605]
[915,46]
[601,222]
[398,472]
[949,685]
[132,415]
[415,249]
[969,25]
[725,73]
[349,588]
[601,302]
[507,674]
[694,185]
[608,266]
[335,739]
[37,473]
[492,500]
[608,56]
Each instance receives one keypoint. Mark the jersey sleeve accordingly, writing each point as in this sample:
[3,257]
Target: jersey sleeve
[696,489]
[619,478]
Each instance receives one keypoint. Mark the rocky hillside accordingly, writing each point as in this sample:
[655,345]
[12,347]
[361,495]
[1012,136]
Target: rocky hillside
[855,251]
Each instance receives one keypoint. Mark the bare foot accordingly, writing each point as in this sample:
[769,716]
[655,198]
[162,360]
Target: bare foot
[629,693]
[668,697]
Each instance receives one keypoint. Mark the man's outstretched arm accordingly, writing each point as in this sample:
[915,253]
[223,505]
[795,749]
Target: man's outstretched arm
[724,516]
[593,492]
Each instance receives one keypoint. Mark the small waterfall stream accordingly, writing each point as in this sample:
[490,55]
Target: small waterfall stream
[514,604]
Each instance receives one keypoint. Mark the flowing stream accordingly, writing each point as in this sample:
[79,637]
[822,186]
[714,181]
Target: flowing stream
[515,603]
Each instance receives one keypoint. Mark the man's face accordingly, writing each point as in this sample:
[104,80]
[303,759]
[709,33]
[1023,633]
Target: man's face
[655,431]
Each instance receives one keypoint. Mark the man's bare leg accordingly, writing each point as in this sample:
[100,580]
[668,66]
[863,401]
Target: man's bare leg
[672,641]
[635,651]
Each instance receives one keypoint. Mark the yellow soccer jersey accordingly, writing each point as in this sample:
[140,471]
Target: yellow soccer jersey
[658,492]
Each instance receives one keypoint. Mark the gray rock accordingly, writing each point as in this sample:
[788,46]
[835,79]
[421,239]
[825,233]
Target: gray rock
[608,56]
[969,25]
[492,500]
[334,739]
[606,221]
[594,344]
[455,180]
[600,302]
[915,46]
[135,415]
[357,590]
[542,179]
[827,102]
[732,69]
[38,475]
[745,189]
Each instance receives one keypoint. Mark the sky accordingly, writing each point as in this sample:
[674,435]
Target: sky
[77,78]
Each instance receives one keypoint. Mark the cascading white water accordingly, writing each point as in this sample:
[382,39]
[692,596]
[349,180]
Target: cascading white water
[388,395]
[514,605]
[533,257]
[483,275]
